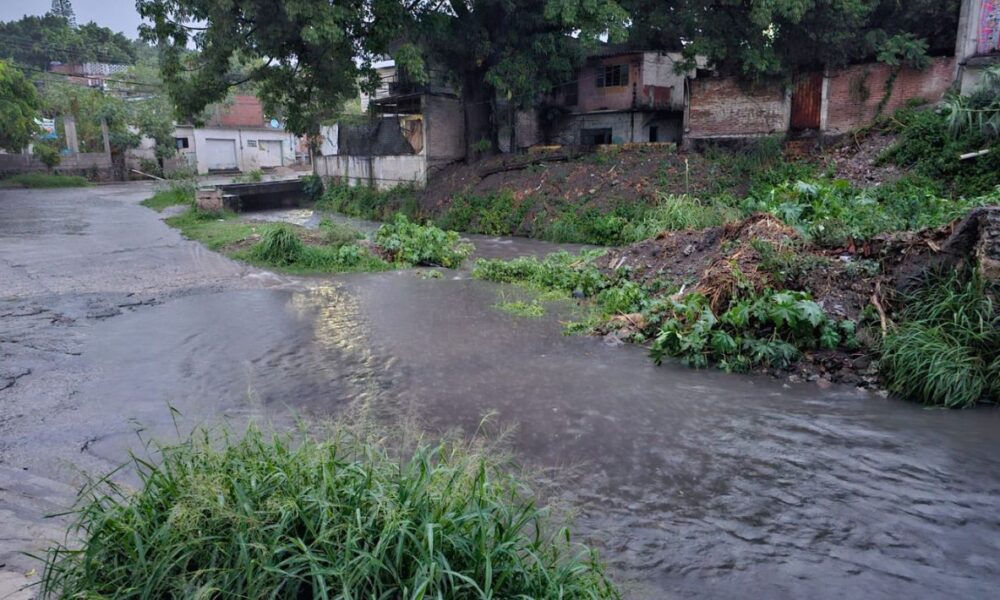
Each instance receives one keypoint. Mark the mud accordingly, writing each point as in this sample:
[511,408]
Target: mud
[693,484]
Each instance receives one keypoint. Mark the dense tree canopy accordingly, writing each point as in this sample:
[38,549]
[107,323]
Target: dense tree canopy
[19,106]
[780,37]
[37,41]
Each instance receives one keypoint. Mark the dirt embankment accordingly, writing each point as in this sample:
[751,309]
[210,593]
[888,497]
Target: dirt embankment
[763,252]
[602,177]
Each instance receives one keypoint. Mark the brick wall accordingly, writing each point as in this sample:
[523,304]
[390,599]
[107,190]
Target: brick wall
[243,111]
[854,92]
[723,107]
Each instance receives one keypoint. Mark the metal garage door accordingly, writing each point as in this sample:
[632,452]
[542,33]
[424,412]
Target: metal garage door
[269,152]
[220,154]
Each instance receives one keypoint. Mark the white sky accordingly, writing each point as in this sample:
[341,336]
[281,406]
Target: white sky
[119,15]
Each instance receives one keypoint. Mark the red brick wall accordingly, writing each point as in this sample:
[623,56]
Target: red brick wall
[847,109]
[242,111]
[721,106]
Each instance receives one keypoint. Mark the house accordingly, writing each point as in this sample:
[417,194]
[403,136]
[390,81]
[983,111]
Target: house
[410,131]
[236,137]
[978,43]
[101,76]
[620,95]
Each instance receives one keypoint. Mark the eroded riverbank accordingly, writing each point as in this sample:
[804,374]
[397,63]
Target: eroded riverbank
[692,483]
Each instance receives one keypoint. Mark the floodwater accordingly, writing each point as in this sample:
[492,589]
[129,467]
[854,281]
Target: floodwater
[693,484]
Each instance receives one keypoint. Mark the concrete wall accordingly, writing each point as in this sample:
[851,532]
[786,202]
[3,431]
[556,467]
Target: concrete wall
[82,163]
[381,172]
[853,93]
[661,86]
[721,107]
[978,42]
[444,130]
[248,157]
[240,111]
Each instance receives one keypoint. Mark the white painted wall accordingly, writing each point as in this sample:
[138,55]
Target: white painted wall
[249,155]
[383,172]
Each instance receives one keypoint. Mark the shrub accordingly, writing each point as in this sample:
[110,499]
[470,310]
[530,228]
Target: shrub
[946,349]
[369,203]
[48,154]
[339,234]
[280,246]
[255,176]
[347,518]
[767,329]
[414,244]
[674,213]
[312,186]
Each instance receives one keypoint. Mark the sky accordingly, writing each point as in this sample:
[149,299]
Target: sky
[119,15]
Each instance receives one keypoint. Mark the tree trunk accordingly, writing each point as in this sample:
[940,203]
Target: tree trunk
[480,122]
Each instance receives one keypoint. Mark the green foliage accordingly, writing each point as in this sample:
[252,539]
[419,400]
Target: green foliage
[770,329]
[558,271]
[19,104]
[496,213]
[37,41]
[214,230]
[414,244]
[674,213]
[927,146]
[48,154]
[831,213]
[312,185]
[171,196]
[520,308]
[786,262]
[979,112]
[339,234]
[46,180]
[281,247]
[272,517]
[369,203]
[946,349]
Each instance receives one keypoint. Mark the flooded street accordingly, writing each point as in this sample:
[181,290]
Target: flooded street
[693,484]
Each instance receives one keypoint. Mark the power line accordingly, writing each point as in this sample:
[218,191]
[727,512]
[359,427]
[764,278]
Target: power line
[125,81]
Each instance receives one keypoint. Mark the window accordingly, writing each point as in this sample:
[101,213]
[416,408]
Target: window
[654,134]
[181,143]
[570,94]
[595,137]
[251,143]
[612,76]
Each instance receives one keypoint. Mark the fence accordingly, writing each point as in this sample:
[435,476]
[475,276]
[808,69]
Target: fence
[82,161]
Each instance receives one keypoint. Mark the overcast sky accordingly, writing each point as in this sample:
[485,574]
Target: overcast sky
[119,15]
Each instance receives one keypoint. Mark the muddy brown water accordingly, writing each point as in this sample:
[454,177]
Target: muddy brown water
[693,484]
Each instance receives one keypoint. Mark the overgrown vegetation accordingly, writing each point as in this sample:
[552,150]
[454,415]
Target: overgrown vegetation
[254,176]
[413,244]
[946,349]
[260,517]
[369,203]
[770,329]
[280,246]
[179,192]
[45,180]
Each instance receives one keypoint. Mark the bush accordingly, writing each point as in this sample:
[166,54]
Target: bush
[255,176]
[767,329]
[49,155]
[346,518]
[279,246]
[369,203]
[414,244]
[946,349]
[339,234]
[47,180]
[674,213]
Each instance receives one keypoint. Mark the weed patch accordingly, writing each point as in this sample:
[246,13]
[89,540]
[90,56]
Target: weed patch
[413,244]
[46,180]
[946,349]
[262,517]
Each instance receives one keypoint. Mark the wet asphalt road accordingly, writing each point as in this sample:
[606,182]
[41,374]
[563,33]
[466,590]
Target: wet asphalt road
[692,483]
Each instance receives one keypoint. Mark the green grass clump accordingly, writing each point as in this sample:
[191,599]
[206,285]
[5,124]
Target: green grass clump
[266,517]
[675,213]
[339,234]
[415,244]
[946,349]
[560,271]
[46,180]
[214,230]
[175,196]
[520,308]
[281,247]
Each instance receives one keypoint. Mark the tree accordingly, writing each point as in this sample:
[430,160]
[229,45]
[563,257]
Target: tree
[64,9]
[305,57]
[37,41]
[781,37]
[19,105]
[511,49]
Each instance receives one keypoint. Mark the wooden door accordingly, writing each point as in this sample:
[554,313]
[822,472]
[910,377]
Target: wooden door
[807,102]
